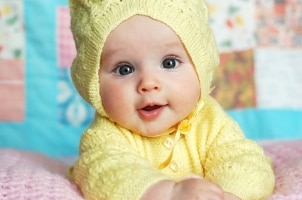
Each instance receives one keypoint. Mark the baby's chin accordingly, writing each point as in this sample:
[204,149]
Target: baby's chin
[149,134]
[154,132]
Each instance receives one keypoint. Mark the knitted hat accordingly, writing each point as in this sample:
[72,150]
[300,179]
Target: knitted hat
[93,20]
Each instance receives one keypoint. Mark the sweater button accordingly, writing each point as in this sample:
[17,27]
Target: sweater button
[168,143]
[174,166]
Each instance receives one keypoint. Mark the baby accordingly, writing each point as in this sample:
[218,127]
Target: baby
[146,67]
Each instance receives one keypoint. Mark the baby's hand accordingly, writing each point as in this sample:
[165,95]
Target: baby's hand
[228,196]
[195,187]
[189,188]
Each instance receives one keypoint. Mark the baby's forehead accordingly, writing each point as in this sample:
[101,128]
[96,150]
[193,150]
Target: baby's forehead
[137,24]
[142,32]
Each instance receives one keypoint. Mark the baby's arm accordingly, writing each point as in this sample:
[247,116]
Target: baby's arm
[239,165]
[108,168]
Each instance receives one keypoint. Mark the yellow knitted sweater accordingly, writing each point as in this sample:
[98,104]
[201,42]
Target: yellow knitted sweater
[116,164]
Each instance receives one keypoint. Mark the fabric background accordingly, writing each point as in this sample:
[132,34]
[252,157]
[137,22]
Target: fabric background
[259,81]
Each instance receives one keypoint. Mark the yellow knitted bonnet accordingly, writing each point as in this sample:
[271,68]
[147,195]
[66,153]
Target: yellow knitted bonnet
[93,20]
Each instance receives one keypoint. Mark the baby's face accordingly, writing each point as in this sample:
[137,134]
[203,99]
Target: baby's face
[147,81]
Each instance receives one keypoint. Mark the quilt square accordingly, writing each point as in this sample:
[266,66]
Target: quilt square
[278,78]
[73,110]
[11,29]
[233,23]
[12,107]
[66,46]
[234,80]
[279,23]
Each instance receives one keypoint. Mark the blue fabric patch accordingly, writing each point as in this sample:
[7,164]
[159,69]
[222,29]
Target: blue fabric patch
[262,124]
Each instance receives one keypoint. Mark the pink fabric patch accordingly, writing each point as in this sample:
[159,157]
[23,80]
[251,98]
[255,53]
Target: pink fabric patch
[12,107]
[66,46]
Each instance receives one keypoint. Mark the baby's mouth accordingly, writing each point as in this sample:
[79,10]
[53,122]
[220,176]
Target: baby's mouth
[150,108]
[150,112]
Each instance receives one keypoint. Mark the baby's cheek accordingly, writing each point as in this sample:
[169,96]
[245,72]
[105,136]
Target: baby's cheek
[105,98]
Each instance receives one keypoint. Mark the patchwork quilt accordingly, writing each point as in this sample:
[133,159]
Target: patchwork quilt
[258,82]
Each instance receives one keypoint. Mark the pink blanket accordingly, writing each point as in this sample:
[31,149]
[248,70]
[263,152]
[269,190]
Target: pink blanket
[31,176]
[287,162]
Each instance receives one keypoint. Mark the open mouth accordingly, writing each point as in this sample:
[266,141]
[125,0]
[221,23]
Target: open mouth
[150,112]
[151,108]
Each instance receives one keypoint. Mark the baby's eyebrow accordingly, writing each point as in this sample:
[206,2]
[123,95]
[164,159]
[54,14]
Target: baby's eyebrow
[173,44]
[175,47]
[111,51]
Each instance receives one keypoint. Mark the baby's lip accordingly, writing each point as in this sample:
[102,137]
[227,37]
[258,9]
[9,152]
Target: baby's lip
[151,107]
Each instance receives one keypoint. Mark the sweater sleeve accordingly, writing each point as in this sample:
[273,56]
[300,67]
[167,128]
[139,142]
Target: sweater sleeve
[109,168]
[238,164]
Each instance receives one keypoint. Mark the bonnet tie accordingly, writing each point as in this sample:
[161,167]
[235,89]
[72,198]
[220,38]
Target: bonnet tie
[183,128]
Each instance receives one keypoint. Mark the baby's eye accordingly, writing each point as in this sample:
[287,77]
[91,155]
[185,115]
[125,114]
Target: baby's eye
[124,70]
[170,63]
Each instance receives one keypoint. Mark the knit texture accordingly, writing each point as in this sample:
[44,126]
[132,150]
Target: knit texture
[117,164]
[32,176]
[93,20]
[287,163]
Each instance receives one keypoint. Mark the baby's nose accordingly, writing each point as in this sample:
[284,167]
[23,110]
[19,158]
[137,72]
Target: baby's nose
[148,84]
